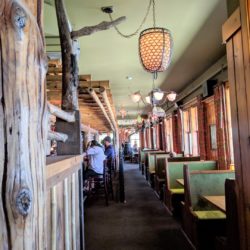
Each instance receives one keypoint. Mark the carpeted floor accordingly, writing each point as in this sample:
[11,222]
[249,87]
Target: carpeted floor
[141,223]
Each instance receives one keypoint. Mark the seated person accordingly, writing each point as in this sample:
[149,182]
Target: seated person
[96,157]
[109,151]
[135,148]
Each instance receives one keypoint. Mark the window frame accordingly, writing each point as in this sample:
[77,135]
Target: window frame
[191,131]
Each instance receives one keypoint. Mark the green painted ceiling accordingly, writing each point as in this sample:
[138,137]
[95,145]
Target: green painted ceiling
[195,26]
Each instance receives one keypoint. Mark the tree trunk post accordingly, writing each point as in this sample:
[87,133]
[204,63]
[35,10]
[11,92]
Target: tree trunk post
[69,60]
[23,125]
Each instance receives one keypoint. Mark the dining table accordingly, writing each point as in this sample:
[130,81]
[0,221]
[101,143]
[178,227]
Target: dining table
[180,181]
[219,201]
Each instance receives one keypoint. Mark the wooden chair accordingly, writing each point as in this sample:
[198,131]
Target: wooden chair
[111,175]
[100,183]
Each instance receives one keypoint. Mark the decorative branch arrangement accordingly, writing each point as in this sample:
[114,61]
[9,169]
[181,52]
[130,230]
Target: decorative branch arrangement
[86,31]
[70,53]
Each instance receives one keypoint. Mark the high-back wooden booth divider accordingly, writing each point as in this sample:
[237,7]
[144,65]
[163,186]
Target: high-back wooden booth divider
[236,36]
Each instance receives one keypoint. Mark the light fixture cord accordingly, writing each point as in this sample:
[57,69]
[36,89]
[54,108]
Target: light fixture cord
[154,19]
[155,75]
[151,3]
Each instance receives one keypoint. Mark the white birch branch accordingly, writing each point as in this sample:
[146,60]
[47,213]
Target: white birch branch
[66,116]
[86,31]
[57,136]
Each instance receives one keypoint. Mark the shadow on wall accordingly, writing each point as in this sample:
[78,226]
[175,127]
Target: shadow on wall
[204,50]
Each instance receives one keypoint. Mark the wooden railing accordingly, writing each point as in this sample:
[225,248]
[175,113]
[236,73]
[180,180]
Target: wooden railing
[63,202]
[64,185]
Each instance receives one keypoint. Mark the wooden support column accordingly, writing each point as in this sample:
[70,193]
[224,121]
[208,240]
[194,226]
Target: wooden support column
[69,60]
[236,36]
[23,125]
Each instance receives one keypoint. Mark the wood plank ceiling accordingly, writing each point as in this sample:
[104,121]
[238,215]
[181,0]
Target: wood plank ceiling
[91,114]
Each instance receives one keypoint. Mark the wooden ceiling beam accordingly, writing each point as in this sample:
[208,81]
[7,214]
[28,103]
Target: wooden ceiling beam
[83,85]
[96,98]
[83,78]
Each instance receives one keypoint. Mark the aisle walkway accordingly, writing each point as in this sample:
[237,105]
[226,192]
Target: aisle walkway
[140,224]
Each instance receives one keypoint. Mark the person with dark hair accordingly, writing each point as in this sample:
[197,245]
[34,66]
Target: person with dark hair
[96,157]
[109,151]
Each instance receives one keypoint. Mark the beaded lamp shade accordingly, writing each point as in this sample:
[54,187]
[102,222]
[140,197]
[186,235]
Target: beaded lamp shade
[155,49]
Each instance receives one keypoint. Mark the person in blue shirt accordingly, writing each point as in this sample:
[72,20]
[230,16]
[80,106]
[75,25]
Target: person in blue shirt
[109,151]
[96,158]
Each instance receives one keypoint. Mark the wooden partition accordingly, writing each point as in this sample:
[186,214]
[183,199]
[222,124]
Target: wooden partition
[63,202]
[236,36]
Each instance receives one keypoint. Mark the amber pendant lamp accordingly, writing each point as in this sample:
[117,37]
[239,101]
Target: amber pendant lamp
[155,49]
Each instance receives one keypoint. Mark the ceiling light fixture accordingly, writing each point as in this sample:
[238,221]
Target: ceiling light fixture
[155,97]
[123,112]
[155,51]
[129,78]
[136,97]
[155,43]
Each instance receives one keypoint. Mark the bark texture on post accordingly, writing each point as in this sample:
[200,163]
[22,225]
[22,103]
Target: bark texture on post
[23,125]
[70,52]
[69,60]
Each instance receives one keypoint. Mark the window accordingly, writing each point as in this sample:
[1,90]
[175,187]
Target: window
[135,139]
[169,134]
[190,129]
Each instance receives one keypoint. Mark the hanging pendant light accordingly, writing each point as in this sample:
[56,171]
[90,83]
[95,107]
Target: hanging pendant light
[158,94]
[155,49]
[136,97]
[148,99]
[123,112]
[171,96]
[139,119]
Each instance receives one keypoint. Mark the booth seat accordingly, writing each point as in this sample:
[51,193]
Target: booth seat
[174,192]
[201,220]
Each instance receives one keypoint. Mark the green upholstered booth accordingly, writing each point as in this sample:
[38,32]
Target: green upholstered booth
[148,160]
[202,220]
[142,158]
[204,183]
[174,171]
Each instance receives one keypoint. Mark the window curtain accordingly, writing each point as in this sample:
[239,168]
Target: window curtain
[221,125]
[153,137]
[162,131]
[180,130]
[142,138]
[176,135]
[202,128]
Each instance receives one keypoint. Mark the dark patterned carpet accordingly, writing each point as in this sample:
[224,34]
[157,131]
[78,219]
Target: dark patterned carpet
[141,223]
